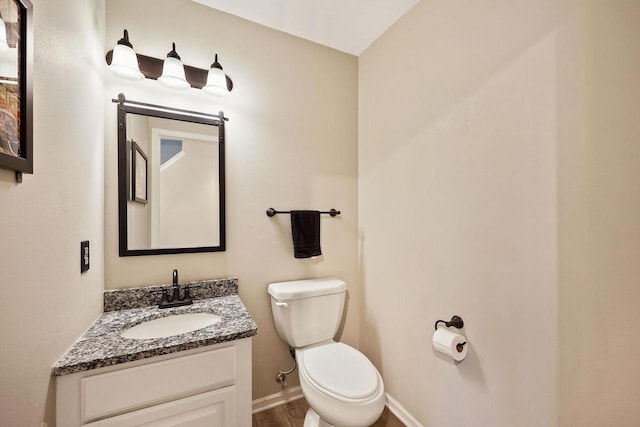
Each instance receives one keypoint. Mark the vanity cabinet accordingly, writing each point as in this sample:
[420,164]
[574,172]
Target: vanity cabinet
[206,386]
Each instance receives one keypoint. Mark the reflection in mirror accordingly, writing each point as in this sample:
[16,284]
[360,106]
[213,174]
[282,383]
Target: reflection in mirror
[172,184]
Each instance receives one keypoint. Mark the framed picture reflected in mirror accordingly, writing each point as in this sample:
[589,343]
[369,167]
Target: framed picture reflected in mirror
[139,170]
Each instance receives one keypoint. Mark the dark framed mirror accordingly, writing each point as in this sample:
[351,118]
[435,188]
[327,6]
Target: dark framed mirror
[171,180]
[16,93]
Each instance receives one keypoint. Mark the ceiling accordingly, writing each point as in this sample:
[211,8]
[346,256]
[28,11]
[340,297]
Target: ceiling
[350,26]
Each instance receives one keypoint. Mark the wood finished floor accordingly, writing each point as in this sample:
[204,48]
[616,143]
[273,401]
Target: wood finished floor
[291,414]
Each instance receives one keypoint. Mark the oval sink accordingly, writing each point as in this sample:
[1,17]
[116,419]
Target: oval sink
[176,324]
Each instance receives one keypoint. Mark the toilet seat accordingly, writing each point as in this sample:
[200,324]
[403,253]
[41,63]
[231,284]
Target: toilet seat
[340,370]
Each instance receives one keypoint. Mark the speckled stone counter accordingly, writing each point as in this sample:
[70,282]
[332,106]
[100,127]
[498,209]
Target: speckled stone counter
[102,344]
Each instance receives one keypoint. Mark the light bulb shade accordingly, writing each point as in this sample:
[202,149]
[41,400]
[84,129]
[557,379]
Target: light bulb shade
[124,63]
[173,74]
[216,82]
[4,46]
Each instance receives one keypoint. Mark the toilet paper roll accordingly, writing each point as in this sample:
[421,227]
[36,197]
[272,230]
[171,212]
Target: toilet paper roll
[449,343]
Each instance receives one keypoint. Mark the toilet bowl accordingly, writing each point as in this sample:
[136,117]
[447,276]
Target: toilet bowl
[341,386]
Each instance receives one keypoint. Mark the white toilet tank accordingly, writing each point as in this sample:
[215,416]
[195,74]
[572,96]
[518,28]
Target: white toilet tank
[307,311]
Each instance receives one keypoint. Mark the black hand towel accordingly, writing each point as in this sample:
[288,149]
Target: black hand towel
[305,228]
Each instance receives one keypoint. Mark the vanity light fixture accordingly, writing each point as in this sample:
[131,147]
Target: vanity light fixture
[216,80]
[173,71]
[170,72]
[124,62]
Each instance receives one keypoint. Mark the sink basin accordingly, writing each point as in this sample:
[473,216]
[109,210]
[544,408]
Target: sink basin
[175,324]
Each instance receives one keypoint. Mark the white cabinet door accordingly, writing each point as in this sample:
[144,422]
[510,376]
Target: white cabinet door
[211,409]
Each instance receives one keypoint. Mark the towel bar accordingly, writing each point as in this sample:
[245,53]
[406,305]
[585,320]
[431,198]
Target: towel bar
[273,212]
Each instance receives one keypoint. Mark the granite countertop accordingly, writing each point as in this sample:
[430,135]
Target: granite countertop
[102,344]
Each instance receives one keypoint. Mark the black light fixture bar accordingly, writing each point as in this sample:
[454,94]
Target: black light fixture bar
[151,68]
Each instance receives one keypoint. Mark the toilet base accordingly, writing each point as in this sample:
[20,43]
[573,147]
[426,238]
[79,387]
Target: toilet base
[312,419]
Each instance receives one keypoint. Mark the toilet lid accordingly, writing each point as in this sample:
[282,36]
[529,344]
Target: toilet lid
[341,369]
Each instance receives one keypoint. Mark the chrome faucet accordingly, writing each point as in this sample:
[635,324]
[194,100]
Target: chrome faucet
[175,300]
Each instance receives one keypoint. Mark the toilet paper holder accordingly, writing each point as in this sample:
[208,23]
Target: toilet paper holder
[456,322]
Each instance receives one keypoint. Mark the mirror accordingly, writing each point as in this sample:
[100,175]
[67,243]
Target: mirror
[170,180]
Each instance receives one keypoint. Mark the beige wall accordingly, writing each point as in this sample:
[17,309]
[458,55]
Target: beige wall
[599,206]
[498,177]
[458,211]
[291,144]
[45,303]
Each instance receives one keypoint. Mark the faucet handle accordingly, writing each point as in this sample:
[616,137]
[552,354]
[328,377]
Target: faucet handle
[165,297]
[187,293]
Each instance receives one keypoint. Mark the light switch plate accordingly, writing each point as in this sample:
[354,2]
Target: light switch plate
[84,256]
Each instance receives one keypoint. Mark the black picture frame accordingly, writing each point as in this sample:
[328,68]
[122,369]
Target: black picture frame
[16,93]
[139,174]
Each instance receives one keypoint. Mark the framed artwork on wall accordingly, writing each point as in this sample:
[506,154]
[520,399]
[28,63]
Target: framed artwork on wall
[139,170]
[16,94]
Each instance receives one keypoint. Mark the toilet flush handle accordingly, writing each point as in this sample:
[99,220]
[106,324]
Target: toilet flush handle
[282,304]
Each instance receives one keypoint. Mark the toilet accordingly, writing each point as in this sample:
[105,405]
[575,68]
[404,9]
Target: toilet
[341,386]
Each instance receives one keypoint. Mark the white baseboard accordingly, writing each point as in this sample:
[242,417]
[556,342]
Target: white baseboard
[401,413]
[276,399]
